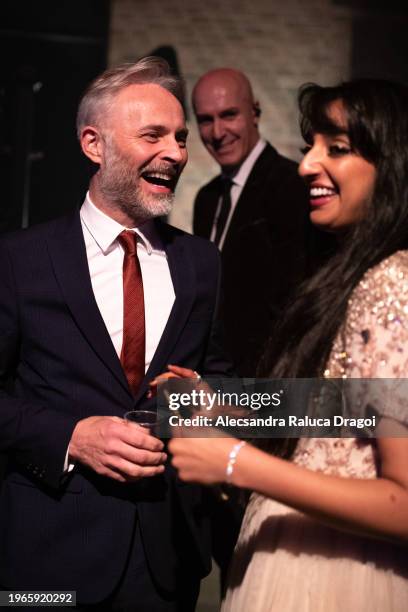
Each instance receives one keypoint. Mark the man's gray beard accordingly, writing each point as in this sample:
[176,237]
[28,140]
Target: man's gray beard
[119,182]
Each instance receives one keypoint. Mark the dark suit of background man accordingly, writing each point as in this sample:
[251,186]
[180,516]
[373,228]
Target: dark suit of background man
[89,502]
[256,211]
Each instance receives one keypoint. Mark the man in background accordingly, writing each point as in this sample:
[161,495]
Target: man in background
[255,211]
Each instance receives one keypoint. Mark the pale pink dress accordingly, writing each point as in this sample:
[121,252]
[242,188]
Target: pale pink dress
[287,562]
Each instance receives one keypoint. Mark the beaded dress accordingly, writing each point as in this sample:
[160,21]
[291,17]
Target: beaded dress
[285,561]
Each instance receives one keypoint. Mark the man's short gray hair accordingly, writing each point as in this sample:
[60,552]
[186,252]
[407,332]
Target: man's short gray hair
[100,93]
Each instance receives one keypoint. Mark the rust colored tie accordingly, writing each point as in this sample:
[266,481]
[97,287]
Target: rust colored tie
[132,356]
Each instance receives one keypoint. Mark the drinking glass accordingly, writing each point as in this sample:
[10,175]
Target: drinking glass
[144,418]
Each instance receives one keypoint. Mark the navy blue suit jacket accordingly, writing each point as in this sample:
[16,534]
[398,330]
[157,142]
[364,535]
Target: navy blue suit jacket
[57,366]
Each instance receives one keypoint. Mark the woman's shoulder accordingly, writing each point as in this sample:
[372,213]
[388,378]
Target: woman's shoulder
[373,340]
[394,268]
[383,291]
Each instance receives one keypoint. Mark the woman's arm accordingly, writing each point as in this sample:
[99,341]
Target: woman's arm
[377,507]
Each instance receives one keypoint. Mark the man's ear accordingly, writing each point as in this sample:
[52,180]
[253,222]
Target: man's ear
[257,111]
[92,143]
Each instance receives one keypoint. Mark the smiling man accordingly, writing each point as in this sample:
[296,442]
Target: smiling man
[92,307]
[256,212]
[141,149]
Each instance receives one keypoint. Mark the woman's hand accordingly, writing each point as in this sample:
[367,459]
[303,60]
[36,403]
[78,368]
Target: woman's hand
[202,460]
[173,371]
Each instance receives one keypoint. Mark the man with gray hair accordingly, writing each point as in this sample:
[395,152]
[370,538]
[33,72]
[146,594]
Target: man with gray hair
[92,307]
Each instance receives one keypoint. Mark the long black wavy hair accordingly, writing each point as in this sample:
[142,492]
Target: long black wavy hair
[377,125]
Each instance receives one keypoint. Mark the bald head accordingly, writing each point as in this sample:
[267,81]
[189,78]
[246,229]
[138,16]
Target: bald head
[227,116]
[234,80]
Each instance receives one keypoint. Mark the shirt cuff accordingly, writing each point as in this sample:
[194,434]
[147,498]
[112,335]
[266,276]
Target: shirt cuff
[68,465]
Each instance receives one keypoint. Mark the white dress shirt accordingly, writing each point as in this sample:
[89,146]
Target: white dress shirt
[238,183]
[105,260]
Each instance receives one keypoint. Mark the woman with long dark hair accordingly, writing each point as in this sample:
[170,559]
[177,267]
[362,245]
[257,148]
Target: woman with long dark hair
[326,529]
[374,114]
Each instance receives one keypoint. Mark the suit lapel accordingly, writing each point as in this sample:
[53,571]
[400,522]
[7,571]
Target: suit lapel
[68,257]
[184,283]
[248,201]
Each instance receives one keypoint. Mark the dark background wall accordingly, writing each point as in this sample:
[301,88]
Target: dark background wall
[379,38]
[49,52]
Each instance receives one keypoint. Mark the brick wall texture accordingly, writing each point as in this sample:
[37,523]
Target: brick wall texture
[278,44]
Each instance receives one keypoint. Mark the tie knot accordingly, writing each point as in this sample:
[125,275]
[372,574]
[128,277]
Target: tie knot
[128,240]
[226,182]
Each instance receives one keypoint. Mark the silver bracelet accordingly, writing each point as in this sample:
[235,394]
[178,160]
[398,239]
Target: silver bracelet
[232,457]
